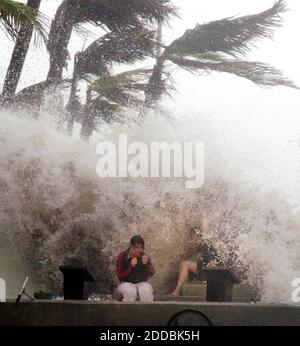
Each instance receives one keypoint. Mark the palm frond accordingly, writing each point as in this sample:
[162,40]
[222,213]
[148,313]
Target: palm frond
[112,14]
[259,73]
[124,88]
[116,14]
[14,15]
[128,47]
[104,110]
[230,35]
[32,95]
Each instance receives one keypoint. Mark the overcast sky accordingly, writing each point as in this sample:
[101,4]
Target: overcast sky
[263,123]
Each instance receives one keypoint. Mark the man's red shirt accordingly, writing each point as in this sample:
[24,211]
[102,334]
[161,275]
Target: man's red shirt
[139,273]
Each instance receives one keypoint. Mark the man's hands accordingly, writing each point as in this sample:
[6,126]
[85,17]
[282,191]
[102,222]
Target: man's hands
[145,259]
[212,263]
[133,262]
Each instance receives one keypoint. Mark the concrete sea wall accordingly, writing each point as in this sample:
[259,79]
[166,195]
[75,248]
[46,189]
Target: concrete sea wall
[93,313]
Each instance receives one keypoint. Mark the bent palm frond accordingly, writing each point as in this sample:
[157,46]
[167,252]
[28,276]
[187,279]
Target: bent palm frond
[128,47]
[116,14]
[207,47]
[230,35]
[33,94]
[124,88]
[112,14]
[259,73]
[14,15]
[104,110]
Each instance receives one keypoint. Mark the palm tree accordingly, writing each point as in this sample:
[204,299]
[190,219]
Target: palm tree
[216,46]
[124,47]
[219,46]
[114,15]
[109,94]
[23,38]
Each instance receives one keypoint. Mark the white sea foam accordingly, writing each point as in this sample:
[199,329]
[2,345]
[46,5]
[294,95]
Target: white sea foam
[55,209]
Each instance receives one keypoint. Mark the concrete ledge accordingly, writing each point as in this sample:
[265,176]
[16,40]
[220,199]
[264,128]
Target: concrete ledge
[242,293]
[89,313]
[195,289]
[178,299]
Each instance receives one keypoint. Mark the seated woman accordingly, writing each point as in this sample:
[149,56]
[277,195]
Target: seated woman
[200,255]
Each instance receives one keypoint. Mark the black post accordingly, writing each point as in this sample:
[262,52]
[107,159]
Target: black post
[220,281]
[76,279]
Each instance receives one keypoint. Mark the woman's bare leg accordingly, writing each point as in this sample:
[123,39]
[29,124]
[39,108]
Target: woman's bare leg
[185,268]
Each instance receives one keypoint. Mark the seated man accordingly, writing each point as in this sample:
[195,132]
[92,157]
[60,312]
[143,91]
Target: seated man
[134,268]
[201,255]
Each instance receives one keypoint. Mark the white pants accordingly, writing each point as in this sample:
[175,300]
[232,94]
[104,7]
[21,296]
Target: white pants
[131,291]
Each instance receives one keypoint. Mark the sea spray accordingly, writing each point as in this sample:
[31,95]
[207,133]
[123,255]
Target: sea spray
[55,210]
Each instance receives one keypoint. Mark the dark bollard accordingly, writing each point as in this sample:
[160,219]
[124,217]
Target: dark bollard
[220,281]
[76,279]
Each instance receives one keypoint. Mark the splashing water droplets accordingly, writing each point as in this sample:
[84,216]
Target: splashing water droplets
[55,210]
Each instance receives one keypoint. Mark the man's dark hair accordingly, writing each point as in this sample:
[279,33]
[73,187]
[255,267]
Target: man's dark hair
[136,240]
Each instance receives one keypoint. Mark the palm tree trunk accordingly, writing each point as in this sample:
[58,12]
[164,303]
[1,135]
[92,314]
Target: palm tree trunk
[18,58]
[89,118]
[73,106]
[153,90]
[159,39]
[60,35]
